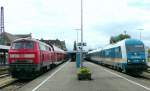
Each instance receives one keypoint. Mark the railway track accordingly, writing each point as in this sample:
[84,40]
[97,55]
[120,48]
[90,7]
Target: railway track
[148,70]
[4,75]
[7,83]
[6,80]
[14,85]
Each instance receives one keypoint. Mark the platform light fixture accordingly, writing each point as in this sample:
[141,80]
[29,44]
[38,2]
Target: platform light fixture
[140,32]
[77,37]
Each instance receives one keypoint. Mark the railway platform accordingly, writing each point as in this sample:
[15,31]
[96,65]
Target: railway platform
[64,78]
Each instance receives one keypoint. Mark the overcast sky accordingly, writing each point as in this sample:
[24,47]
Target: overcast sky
[52,19]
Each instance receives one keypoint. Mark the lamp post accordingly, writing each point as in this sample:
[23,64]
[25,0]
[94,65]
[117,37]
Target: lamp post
[140,33]
[125,32]
[81,33]
[81,28]
[77,37]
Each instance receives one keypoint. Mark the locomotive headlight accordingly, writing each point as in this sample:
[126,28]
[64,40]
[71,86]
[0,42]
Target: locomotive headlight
[129,61]
[29,55]
[22,56]
[143,60]
[14,55]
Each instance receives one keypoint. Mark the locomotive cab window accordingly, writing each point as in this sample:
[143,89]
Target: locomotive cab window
[134,48]
[23,45]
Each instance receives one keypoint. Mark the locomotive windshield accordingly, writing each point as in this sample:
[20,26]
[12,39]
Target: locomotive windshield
[135,48]
[23,45]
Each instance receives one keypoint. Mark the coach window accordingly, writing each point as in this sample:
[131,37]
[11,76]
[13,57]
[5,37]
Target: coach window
[96,54]
[52,48]
[118,53]
[42,47]
[103,54]
[46,48]
[49,49]
[107,53]
[39,46]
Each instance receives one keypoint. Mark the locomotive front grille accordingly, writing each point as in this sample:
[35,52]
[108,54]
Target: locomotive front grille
[137,66]
[22,61]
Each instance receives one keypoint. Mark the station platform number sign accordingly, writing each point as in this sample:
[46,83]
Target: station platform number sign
[79,44]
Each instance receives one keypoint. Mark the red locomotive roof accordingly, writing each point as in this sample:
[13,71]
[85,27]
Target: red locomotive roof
[56,49]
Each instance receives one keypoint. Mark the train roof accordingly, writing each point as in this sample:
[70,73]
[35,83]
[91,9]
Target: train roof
[133,41]
[35,40]
[120,43]
[124,42]
[96,50]
[58,49]
[30,39]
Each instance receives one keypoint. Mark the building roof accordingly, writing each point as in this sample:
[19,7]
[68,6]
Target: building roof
[58,43]
[7,38]
[23,35]
[4,47]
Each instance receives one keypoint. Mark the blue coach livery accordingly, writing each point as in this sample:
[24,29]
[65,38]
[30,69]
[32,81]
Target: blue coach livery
[127,55]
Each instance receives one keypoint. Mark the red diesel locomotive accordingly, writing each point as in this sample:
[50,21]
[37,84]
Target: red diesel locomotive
[30,57]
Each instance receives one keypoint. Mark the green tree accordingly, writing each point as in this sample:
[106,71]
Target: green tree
[114,39]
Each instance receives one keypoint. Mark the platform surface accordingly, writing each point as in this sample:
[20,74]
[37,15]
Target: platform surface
[66,80]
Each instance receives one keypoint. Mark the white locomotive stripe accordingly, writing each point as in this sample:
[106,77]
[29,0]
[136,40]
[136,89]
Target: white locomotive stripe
[133,82]
[50,76]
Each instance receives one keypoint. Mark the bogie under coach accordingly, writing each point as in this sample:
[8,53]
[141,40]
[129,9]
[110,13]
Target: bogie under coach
[30,57]
[127,56]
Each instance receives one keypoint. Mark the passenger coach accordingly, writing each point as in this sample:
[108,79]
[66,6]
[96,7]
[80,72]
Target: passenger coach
[128,55]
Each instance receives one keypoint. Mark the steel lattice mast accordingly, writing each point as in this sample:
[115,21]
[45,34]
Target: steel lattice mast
[2,20]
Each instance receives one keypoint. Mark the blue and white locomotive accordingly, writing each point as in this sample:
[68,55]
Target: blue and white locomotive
[128,55]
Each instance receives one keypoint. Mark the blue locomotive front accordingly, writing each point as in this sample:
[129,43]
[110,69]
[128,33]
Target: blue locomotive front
[136,56]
